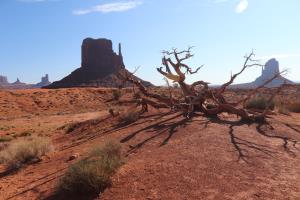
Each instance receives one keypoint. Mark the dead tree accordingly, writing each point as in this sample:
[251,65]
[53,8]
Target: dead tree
[198,96]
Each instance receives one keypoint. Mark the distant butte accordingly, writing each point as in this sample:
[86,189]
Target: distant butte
[99,67]
[268,71]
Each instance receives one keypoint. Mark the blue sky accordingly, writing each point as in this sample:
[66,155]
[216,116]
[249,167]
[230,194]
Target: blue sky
[44,36]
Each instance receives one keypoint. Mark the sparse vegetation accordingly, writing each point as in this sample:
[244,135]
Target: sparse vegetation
[129,116]
[5,138]
[260,103]
[24,151]
[24,134]
[71,127]
[283,110]
[92,174]
[116,94]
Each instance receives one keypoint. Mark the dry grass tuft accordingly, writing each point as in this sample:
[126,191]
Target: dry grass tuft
[5,138]
[260,103]
[92,174]
[129,116]
[24,151]
[116,94]
[283,110]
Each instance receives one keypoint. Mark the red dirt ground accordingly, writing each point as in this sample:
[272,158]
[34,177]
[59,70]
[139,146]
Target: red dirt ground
[167,156]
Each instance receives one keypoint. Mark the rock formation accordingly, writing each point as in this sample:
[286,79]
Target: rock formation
[3,80]
[99,66]
[4,84]
[268,71]
[17,82]
[44,81]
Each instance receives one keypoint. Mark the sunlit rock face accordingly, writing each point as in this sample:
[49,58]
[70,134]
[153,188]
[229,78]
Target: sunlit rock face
[99,66]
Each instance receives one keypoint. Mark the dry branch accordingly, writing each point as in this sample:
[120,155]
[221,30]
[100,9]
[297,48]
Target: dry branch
[198,97]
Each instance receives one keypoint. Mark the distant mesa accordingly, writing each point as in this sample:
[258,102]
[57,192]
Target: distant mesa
[3,80]
[99,67]
[20,85]
[268,71]
[44,81]
[17,82]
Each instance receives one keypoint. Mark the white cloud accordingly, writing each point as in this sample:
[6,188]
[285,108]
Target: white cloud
[279,56]
[241,6]
[109,7]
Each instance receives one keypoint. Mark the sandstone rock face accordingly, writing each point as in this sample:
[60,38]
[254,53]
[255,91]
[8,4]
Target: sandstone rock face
[99,65]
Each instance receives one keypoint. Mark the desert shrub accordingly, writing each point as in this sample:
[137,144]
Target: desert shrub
[137,95]
[92,174]
[116,94]
[129,116]
[294,107]
[24,151]
[24,134]
[260,103]
[72,127]
[5,138]
[283,110]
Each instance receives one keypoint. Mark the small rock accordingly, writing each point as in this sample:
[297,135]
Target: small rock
[73,157]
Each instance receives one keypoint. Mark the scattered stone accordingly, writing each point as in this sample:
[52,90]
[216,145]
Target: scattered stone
[73,157]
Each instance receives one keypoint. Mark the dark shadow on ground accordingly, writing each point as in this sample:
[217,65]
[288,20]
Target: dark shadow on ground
[243,146]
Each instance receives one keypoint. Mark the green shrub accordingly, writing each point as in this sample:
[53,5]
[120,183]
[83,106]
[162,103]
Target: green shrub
[92,174]
[24,151]
[5,138]
[260,103]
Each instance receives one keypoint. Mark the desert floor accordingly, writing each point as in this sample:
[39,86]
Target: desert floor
[167,156]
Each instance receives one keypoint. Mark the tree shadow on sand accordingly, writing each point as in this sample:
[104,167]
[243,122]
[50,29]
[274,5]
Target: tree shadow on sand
[243,146]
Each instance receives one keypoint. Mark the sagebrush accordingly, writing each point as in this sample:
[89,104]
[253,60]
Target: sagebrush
[93,173]
[24,151]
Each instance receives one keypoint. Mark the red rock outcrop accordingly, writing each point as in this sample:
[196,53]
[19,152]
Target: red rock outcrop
[99,66]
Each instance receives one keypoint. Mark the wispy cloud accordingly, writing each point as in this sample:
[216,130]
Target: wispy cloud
[241,6]
[109,7]
[280,56]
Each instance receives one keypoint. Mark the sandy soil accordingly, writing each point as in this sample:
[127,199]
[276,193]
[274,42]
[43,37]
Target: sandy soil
[167,156]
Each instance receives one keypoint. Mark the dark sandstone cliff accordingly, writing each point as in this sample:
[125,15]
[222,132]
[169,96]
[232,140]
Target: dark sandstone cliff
[99,67]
